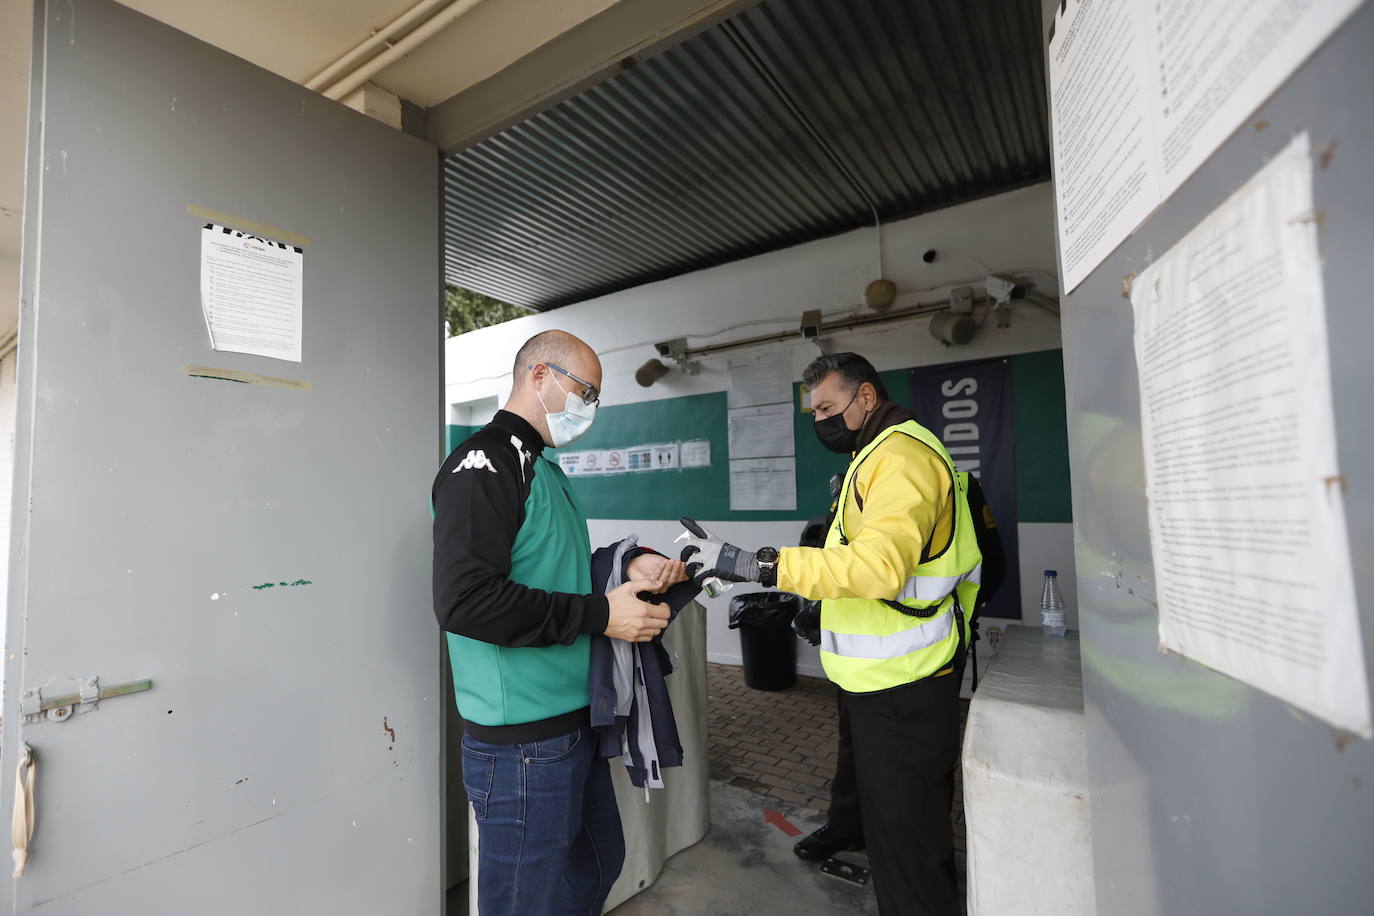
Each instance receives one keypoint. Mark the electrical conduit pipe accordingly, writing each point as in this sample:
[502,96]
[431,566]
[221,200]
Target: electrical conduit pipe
[379,38]
[422,33]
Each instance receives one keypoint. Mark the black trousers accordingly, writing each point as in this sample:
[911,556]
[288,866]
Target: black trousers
[894,785]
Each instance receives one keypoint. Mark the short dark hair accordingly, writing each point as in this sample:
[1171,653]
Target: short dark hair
[853,369]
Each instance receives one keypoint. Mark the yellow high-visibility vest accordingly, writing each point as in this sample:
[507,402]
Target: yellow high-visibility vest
[867,644]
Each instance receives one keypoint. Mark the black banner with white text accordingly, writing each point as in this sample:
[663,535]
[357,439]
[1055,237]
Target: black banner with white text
[969,406]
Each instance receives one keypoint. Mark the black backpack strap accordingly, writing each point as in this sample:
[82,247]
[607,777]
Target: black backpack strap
[963,640]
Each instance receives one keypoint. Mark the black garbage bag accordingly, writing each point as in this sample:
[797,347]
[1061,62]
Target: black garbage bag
[763,609]
[807,622]
[767,647]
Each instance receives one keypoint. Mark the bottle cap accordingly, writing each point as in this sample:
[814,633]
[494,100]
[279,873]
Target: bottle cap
[1050,572]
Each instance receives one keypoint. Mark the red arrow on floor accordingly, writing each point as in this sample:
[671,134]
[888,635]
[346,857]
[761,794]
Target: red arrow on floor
[782,823]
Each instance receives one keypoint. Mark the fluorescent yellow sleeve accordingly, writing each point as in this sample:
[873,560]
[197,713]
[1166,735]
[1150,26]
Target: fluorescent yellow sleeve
[905,488]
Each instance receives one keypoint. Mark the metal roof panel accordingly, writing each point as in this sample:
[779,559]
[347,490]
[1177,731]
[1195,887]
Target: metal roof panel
[794,120]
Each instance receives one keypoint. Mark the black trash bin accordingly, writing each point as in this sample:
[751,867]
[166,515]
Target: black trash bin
[764,621]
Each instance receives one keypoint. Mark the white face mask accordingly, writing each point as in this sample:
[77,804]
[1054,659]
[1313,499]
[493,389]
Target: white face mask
[572,421]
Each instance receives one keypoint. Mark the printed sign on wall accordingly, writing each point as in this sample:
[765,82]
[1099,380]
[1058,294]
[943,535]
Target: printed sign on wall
[662,457]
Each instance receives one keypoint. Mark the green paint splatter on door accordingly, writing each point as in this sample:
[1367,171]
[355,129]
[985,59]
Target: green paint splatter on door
[283,584]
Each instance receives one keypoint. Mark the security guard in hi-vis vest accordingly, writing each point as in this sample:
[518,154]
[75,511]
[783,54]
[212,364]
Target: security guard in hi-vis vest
[897,580]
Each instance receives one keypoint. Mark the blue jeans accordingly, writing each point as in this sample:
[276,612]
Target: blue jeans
[548,829]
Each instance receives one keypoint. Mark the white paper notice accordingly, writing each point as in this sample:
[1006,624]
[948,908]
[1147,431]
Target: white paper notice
[1246,517]
[762,432]
[1102,112]
[1219,60]
[1143,91]
[635,459]
[250,292]
[639,458]
[571,463]
[613,461]
[765,379]
[696,454]
[592,463]
[763,484]
[664,457]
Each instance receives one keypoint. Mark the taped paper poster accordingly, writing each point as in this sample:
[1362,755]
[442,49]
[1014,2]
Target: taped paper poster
[695,454]
[1247,524]
[1143,91]
[251,293]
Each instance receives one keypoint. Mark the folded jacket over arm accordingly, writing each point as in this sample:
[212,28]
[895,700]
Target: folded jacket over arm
[630,708]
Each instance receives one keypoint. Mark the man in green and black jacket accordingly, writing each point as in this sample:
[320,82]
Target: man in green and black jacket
[513,592]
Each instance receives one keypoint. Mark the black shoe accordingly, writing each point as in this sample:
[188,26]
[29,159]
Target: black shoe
[823,842]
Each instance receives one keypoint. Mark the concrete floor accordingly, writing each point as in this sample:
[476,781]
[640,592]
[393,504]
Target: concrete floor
[783,744]
[743,867]
[769,751]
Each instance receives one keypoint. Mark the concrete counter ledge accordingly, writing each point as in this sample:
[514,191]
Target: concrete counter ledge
[1026,782]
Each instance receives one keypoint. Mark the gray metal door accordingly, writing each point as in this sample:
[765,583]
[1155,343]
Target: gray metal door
[260,552]
[1209,796]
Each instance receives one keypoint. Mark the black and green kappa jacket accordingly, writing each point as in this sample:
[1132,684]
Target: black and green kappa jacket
[512,584]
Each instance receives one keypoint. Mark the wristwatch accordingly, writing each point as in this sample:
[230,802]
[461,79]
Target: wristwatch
[767,558]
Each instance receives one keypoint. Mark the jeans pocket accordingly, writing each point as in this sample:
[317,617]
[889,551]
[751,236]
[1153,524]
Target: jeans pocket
[479,770]
[551,750]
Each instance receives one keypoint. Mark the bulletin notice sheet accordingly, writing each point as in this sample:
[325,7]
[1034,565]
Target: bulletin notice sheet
[1246,516]
[250,292]
[1143,91]
[763,464]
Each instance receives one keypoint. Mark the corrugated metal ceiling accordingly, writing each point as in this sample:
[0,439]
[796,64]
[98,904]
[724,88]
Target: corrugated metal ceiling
[794,120]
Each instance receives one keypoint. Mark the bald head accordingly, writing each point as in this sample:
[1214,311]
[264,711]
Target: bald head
[557,347]
[537,389]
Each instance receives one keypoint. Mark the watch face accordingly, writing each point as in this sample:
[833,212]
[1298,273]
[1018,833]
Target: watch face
[767,555]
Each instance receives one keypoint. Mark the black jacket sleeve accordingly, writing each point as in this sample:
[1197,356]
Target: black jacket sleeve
[479,503]
[676,596]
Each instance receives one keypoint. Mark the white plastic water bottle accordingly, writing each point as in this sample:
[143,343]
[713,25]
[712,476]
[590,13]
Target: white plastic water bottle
[1052,606]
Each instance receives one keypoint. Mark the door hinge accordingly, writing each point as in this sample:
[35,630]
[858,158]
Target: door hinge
[60,698]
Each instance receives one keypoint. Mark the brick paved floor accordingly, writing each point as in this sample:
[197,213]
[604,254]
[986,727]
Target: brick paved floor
[782,743]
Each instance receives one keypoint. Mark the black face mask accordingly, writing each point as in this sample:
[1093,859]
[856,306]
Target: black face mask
[834,435]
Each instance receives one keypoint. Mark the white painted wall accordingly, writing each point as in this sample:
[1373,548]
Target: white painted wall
[1008,233]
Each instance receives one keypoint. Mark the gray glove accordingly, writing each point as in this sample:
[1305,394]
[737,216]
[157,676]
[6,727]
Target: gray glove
[707,555]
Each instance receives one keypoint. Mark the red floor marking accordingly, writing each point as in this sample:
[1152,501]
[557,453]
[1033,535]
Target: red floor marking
[782,823]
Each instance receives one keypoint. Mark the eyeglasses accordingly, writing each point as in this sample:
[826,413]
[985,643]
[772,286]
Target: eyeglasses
[590,393]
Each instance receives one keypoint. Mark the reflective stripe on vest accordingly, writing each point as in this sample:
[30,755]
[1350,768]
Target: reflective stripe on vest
[856,645]
[935,588]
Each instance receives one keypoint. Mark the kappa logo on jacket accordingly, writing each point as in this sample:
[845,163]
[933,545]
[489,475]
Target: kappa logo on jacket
[475,460]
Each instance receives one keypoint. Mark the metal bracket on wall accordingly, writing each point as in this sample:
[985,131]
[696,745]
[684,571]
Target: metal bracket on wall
[58,704]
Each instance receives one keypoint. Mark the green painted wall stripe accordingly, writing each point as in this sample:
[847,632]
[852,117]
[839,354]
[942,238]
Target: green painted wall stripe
[1042,437]
[456,434]
[665,495]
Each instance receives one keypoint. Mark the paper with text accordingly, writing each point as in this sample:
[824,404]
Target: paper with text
[696,453]
[762,379]
[762,432]
[1143,91]
[763,484]
[1247,527]
[250,293]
